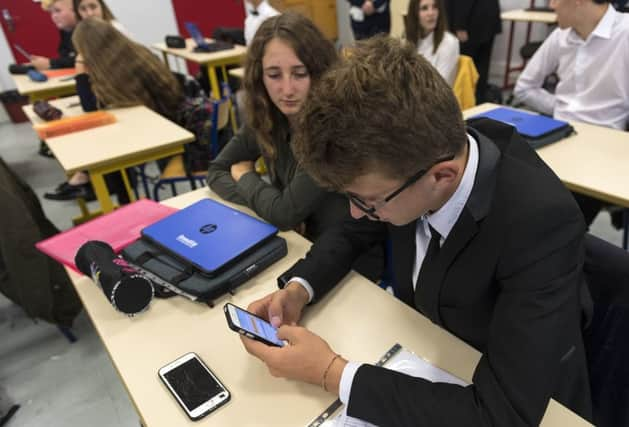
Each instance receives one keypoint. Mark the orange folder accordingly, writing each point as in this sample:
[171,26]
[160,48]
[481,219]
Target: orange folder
[59,72]
[74,124]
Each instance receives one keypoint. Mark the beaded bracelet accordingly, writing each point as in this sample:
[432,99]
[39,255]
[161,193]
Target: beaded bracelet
[325,373]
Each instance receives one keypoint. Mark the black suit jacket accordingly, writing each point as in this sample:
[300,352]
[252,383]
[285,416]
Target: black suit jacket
[508,281]
[480,18]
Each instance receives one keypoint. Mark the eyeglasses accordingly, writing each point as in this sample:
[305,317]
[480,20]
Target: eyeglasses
[371,209]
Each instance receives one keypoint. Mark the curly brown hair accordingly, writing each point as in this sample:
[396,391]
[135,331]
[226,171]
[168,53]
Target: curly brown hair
[317,53]
[414,31]
[382,109]
[124,73]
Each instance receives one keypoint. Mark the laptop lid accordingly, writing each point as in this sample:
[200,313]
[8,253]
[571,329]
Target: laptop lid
[196,35]
[209,234]
[527,124]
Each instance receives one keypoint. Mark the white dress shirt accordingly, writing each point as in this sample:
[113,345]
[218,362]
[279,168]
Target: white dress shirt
[445,59]
[254,20]
[593,83]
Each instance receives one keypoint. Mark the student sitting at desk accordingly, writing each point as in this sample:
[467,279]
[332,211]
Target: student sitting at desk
[425,25]
[589,52]
[97,9]
[114,71]
[487,243]
[286,57]
[65,20]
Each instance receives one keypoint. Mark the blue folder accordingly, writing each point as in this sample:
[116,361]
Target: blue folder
[537,129]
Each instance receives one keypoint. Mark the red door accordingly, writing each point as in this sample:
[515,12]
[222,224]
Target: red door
[25,23]
[207,14]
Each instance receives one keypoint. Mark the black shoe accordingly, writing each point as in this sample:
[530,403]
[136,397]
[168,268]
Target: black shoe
[44,150]
[71,192]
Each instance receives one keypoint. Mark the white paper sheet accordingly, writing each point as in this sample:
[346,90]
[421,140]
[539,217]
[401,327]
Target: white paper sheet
[408,363]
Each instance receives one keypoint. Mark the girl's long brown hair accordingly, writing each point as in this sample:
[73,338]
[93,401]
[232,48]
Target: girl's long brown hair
[414,31]
[313,50]
[107,15]
[124,73]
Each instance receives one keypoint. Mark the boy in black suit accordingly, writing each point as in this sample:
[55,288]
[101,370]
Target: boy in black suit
[476,23]
[486,242]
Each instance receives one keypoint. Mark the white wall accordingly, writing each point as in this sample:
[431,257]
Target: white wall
[148,21]
[6,58]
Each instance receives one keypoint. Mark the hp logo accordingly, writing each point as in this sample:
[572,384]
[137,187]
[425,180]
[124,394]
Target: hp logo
[208,228]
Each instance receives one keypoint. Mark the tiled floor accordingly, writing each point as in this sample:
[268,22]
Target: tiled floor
[59,384]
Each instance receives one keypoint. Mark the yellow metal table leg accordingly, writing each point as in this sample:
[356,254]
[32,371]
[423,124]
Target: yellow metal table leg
[102,193]
[127,185]
[214,86]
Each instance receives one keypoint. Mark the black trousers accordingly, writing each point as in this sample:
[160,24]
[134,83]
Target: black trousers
[481,54]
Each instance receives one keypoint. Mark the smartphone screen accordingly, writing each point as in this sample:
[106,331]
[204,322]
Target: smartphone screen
[254,325]
[193,384]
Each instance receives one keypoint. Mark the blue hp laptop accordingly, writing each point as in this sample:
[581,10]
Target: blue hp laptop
[538,130]
[202,44]
[209,235]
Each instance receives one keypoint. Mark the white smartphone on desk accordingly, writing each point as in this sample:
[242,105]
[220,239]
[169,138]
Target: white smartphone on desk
[195,387]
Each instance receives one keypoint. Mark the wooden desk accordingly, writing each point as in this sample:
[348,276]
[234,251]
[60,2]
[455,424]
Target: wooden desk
[139,135]
[211,61]
[52,88]
[591,162]
[521,15]
[139,346]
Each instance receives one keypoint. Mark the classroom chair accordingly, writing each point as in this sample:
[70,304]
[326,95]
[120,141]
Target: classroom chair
[464,87]
[178,169]
[606,270]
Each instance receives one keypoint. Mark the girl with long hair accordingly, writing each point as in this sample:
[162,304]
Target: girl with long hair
[426,25]
[287,55]
[114,71]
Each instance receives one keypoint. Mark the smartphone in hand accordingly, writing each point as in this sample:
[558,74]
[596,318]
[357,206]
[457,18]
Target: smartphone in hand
[251,326]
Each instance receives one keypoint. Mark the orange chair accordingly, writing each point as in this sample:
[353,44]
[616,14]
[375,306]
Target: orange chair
[465,82]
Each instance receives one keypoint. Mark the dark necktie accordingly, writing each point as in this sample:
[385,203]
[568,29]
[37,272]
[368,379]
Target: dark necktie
[431,255]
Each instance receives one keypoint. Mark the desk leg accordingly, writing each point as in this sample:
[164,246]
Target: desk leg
[505,83]
[214,86]
[232,112]
[101,191]
[127,186]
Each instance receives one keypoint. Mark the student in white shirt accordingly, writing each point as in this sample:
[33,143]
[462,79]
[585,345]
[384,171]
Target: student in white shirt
[589,52]
[258,11]
[426,25]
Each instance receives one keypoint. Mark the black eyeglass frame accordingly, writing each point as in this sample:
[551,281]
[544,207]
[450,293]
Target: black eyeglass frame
[371,210]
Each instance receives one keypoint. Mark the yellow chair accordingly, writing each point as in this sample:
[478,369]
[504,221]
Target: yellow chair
[176,170]
[465,82]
